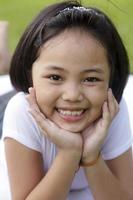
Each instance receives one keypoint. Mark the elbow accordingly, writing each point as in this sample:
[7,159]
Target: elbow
[130,196]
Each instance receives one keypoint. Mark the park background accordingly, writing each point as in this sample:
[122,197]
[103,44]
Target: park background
[20,13]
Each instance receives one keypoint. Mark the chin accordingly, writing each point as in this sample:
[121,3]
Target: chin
[74,129]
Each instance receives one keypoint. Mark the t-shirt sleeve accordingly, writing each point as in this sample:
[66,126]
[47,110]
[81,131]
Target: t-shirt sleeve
[119,138]
[18,123]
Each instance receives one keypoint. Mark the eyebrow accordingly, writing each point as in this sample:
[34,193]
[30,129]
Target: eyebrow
[97,70]
[52,67]
[94,69]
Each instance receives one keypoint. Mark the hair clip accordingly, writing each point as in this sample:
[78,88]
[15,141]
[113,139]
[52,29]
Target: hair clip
[81,9]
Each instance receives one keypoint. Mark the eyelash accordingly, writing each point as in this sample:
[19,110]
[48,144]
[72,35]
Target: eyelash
[92,79]
[54,77]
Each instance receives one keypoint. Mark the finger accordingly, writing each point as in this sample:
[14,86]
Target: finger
[116,105]
[112,104]
[50,130]
[32,93]
[31,97]
[47,126]
[106,115]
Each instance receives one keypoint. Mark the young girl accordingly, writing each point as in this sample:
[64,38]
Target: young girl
[66,138]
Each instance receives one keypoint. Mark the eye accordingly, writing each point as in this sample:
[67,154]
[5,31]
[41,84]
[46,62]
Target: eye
[55,77]
[91,79]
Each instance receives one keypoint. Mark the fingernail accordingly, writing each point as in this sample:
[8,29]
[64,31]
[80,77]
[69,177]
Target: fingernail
[30,88]
[110,90]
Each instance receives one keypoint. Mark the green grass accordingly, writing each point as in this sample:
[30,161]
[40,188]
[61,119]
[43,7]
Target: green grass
[20,13]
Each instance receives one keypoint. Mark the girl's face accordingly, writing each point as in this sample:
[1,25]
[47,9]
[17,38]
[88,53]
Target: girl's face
[71,78]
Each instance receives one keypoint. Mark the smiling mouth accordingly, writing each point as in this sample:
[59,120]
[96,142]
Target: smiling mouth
[71,115]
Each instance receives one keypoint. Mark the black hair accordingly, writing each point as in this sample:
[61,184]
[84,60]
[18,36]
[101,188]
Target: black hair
[53,20]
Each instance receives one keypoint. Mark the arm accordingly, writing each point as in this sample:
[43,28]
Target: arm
[112,179]
[27,178]
[56,183]
[25,166]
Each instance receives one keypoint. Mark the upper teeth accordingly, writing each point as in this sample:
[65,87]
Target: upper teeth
[70,113]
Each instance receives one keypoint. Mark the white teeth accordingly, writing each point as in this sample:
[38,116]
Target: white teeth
[70,113]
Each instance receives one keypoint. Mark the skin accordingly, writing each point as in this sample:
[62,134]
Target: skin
[76,76]
[76,140]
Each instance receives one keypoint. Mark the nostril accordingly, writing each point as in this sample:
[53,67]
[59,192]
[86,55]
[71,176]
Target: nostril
[72,96]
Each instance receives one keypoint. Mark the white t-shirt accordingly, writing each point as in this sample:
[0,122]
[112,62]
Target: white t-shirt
[20,125]
[128,96]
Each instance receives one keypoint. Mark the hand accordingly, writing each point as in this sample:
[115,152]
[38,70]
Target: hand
[63,139]
[94,135]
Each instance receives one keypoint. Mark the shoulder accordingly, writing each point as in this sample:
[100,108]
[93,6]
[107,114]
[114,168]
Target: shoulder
[119,138]
[16,112]
[128,96]
[19,124]
[18,100]
[123,115]
[4,99]
[17,108]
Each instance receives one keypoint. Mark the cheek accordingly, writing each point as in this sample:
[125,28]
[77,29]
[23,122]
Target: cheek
[45,100]
[97,95]
[97,98]
[43,93]
[101,97]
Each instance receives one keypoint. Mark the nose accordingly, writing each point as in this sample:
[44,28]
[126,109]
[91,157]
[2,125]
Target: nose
[72,92]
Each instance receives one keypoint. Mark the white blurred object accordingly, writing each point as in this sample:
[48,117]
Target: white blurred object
[5,84]
[5,56]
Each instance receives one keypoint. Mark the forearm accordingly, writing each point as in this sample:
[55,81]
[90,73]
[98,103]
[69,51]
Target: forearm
[56,183]
[104,185]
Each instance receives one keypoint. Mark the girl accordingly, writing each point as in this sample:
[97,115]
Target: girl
[74,144]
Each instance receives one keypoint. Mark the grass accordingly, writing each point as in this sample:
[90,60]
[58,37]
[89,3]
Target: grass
[20,13]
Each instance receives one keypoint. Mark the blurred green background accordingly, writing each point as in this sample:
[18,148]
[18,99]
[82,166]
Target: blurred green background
[20,13]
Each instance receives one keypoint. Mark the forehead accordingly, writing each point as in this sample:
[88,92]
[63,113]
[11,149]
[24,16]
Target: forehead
[74,45]
[73,52]
[74,39]
[74,36]
[73,49]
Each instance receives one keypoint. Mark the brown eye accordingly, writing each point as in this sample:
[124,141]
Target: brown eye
[55,77]
[91,79]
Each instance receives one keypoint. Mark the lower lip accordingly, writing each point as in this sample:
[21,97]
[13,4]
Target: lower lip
[71,118]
